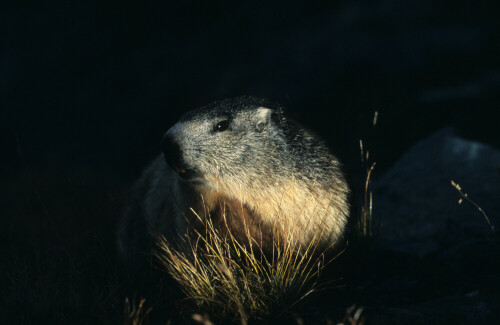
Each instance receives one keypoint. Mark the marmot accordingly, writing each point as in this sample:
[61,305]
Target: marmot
[271,174]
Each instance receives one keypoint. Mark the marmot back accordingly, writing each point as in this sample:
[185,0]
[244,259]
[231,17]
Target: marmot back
[274,177]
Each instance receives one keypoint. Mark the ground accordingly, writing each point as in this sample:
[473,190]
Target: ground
[60,266]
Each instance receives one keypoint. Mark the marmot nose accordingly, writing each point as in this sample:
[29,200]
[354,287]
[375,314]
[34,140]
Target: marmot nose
[171,151]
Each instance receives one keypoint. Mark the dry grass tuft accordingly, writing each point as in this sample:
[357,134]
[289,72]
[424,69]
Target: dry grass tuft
[233,280]
[365,220]
[353,316]
[465,196]
[135,314]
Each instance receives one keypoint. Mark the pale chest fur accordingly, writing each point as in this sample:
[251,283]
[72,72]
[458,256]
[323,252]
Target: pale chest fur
[293,207]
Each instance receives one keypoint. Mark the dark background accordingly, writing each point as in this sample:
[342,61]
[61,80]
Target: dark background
[87,88]
[94,85]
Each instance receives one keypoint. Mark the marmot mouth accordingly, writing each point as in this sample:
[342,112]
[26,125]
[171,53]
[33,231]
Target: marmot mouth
[184,173]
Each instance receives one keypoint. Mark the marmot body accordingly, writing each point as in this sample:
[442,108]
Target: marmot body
[241,158]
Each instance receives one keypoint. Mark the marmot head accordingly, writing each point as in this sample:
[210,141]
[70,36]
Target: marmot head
[233,140]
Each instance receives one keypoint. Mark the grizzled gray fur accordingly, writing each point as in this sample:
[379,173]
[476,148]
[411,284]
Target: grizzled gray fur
[247,166]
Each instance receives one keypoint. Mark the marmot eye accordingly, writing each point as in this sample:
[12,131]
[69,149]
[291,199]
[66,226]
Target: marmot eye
[221,126]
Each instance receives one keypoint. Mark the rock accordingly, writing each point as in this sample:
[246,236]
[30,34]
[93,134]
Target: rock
[416,209]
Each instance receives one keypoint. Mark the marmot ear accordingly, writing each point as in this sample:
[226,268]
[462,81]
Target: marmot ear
[263,118]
